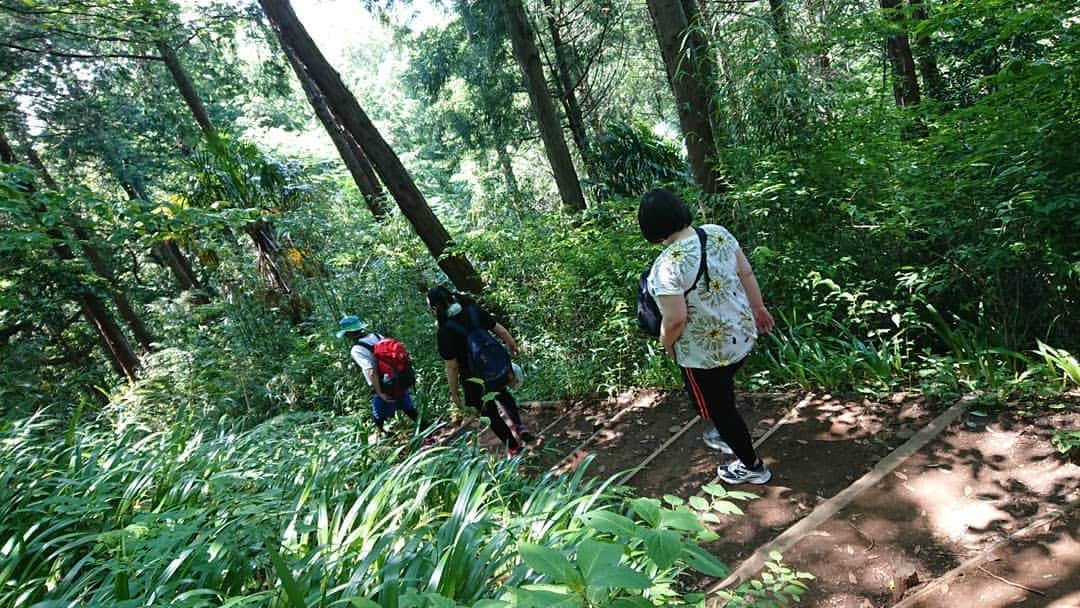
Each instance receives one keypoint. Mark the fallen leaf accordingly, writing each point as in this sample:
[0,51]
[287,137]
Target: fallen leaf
[851,578]
[898,473]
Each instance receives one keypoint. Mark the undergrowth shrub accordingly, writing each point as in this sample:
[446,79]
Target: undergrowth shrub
[301,510]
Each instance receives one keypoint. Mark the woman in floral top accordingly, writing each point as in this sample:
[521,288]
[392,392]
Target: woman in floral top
[707,330]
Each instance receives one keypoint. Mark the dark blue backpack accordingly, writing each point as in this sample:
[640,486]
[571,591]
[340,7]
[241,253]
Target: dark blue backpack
[485,356]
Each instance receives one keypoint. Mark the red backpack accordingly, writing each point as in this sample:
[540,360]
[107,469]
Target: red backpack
[396,374]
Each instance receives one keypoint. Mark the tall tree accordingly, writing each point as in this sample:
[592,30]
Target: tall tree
[395,177]
[928,69]
[905,85]
[692,83]
[351,153]
[565,81]
[523,40]
[97,261]
[112,339]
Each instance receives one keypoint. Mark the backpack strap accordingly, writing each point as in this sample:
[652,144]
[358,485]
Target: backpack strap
[474,316]
[370,347]
[458,327]
[703,267]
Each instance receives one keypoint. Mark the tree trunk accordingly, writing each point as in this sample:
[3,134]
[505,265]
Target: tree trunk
[507,166]
[267,256]
[898,51]
[778,15]
[928,69]
[97,263]
[166,250]
[119,351]
[688,85]
[393,174]
[351,154]
[819,12]
[188,92]
[558,153]
[567,86]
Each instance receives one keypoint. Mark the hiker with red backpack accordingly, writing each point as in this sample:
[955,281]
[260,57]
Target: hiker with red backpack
[386,367]
[479,364]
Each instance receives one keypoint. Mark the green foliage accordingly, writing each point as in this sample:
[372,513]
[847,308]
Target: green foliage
[631,159]
[1065,441]
[301,511]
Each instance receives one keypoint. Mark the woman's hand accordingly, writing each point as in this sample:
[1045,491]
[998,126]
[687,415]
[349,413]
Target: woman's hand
[762,319]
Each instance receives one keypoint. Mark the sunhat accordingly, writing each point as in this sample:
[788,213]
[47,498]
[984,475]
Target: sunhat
[350,323]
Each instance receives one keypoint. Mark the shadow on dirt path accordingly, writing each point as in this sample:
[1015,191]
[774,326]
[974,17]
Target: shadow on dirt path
[973,485]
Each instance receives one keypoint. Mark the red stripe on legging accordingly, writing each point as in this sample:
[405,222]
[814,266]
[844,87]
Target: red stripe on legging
[699,398]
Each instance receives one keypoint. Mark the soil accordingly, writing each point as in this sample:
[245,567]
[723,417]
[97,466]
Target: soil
[978,482]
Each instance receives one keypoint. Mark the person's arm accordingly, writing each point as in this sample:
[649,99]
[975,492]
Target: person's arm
[673,322]
[376,383]
[452,381]
[505,336]
[762,319]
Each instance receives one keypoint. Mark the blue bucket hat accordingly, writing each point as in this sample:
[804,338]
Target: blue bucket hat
[350,323]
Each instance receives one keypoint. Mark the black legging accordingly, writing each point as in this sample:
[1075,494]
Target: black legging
[712,391]
[474,395]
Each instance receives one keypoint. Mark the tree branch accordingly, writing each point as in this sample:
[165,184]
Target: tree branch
[55,53]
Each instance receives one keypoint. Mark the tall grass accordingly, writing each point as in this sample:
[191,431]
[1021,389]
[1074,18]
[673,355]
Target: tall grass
[302,511]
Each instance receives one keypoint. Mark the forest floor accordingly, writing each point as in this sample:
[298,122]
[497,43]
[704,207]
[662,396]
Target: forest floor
[890,502]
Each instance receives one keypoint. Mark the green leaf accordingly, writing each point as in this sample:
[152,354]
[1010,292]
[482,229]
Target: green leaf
[546,596]
[635,601]
[647,509]
[611,523]
[681,519]
[623,577]
[292,588]
[704,562]
[548,561]
[663,546]
[594,558]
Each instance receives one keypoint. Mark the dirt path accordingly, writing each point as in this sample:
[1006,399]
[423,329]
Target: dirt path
[945,498]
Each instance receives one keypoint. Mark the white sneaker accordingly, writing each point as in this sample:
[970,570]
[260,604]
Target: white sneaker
[736,472]
[713,440]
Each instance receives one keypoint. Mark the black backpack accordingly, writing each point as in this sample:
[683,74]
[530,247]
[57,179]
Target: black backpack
[648,312]
[485,357]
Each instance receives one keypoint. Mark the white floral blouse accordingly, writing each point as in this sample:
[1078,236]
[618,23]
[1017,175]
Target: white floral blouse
[719,325]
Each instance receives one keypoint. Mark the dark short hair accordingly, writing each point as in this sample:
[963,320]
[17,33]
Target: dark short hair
[661,214]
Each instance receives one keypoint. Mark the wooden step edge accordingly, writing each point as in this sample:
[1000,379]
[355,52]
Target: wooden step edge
[631,473]
[827,509]
[978,560]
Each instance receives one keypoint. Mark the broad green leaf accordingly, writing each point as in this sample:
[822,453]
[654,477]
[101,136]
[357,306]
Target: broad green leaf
[704,562]
[623,577]
[611,523]
[546,560]
[594,558]
[292,588]
[647,509]
[681,519]
[699,503]
[663,546]
[635,601]
[546,596]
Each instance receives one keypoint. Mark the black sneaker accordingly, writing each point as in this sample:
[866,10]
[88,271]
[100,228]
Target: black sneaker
[524,434]
[736,472]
